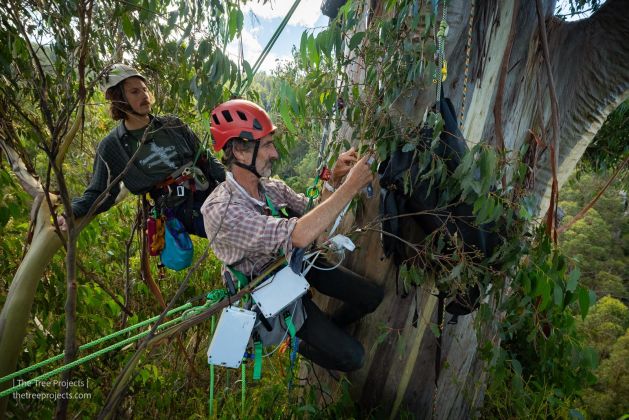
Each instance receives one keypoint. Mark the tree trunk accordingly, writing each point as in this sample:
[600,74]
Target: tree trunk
[588,59]
[16,311]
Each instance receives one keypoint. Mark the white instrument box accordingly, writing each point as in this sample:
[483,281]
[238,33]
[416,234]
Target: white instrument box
[279,291]
[230,339]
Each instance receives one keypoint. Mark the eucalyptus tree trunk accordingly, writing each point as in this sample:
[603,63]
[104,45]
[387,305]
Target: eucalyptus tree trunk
[507,103]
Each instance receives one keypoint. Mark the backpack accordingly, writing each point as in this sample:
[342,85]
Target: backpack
[424,198]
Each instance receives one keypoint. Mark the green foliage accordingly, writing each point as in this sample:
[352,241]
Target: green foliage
[541,366]
[610,146]
[599,242]
[13,227]
[607,321]
[609,398]
[605,329]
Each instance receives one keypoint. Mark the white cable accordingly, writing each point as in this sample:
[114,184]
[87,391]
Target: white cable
[314,256]
[338,219]
[331,268]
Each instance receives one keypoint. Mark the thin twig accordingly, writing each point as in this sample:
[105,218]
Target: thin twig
[585,209]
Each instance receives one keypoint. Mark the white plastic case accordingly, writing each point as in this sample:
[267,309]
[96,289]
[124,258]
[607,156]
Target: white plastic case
[231,337]
[279,291]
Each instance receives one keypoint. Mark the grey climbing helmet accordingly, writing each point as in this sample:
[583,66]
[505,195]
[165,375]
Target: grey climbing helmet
[117,73]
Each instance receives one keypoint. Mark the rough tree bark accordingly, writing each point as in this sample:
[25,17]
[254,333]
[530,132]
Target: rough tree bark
[589,61]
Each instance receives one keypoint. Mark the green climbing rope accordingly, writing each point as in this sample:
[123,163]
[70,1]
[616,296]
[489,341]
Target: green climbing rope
[84,359]
[243,389]
[212,298]
[92,344]
[211,401]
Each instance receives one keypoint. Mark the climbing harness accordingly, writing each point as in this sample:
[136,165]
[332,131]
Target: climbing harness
[187,177]
[276,312]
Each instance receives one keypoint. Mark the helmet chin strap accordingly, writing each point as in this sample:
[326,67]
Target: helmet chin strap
[252,166]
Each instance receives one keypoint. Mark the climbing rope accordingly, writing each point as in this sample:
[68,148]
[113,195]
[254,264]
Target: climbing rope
[93,343]
[211,400]
[468,49]
[213,297]
[84,359]
[441,72]
[243,87]
[313,192]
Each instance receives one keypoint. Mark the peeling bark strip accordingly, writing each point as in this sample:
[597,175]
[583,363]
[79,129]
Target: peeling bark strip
[551,229]
[588,61]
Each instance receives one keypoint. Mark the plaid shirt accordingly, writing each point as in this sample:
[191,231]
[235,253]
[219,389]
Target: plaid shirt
[247,236]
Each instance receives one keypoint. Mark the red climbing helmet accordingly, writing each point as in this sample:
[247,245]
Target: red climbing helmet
[239,118]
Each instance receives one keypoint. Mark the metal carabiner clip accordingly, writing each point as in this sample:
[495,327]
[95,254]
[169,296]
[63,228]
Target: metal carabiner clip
[180,191]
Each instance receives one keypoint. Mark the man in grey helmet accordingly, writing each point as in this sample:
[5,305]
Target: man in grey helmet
[159,155]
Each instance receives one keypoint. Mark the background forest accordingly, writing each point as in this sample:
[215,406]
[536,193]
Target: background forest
[111,293]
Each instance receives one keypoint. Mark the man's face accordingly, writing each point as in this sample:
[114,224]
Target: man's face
[137,95]
[267,153]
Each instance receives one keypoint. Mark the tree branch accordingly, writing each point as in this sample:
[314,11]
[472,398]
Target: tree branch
[30,184]
[585,209]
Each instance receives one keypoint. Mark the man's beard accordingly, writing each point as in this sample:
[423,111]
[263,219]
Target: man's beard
[266,171]
[143,113]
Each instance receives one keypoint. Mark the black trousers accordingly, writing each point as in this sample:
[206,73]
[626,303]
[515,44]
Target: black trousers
[324,341]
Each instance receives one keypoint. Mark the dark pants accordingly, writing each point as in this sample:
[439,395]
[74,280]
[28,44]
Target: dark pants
[323,339]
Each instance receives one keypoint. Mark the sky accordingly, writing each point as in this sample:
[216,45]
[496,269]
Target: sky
[262,20]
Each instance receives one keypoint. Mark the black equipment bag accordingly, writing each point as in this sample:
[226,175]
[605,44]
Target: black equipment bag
[424,199]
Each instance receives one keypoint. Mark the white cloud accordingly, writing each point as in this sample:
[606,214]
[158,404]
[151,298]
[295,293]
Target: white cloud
[252,49]
[306,14]
[272,60]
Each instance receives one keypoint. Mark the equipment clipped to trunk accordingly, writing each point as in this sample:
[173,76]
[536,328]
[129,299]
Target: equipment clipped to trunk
[406,191]
[178,249]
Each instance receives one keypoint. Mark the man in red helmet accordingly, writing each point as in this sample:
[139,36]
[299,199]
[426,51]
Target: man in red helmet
[252,220]
[149,154]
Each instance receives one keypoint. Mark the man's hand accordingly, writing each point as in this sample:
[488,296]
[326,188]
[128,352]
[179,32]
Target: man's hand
[342,166]
[61,221]
[360,175]
[313,223]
